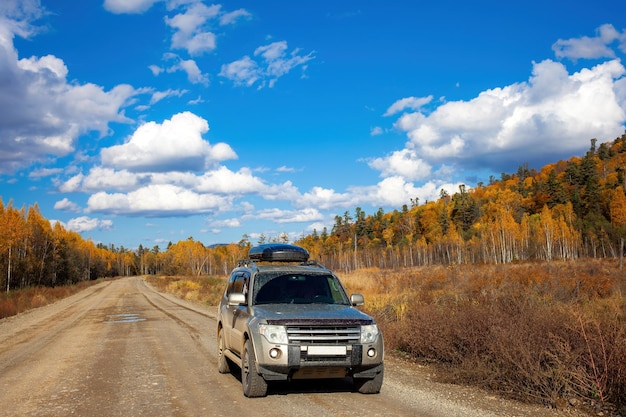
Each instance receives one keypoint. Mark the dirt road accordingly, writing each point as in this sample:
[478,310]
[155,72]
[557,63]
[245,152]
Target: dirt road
[121,349]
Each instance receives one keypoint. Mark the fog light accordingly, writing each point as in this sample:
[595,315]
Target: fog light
[275,353]
[371,352]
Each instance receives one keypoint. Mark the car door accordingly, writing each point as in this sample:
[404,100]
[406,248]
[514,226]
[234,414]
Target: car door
[239,313]
[226,311]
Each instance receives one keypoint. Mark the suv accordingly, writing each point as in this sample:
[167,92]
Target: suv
[283,317]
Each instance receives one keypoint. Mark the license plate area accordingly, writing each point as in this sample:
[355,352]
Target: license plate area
[326,351]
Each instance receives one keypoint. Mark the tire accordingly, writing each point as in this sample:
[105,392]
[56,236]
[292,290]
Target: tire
[253,383]
[223,364]
[370,386]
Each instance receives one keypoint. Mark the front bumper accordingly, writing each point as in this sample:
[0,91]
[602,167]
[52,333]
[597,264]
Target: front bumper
[318,361]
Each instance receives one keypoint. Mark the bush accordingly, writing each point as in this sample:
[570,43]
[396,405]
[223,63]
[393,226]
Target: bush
[535,332]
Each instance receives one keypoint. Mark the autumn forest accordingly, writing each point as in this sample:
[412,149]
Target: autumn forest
[566,210]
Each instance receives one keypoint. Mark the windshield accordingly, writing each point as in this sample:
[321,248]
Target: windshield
[298,289]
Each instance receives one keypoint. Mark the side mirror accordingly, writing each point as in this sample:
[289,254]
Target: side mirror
[236,299]
[357,299]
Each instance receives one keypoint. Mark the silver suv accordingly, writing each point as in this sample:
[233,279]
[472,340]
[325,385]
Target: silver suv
[283,317]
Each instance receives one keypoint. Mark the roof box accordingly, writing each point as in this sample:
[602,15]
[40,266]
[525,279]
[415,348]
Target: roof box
[278,252]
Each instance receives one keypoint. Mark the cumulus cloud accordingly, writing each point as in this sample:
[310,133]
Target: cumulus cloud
[225,181]
[176,144]
[85,224]
[272,62]
[66,205]
[404,162]
[396,191]
[325,199]
[42,113]
[188,26]
[553,114]
[169,192]
[290,216]
[191,26]
[101,178]
[158,200]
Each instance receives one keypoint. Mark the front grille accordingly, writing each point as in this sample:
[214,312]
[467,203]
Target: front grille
[323,335]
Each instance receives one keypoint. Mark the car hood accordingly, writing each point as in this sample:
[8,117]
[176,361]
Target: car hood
[310,314]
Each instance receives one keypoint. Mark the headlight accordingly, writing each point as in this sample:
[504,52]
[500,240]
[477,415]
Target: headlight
[274,333]
[369,333]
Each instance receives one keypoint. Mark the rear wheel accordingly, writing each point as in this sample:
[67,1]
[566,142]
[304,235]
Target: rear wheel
[370,386]
[223,364]
[253,383]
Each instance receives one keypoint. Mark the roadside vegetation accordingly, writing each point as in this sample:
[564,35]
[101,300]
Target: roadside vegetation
[550,333]
[18,301]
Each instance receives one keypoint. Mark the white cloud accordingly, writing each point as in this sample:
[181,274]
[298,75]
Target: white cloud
[18,17]
[129,6]
[85,224]
[66,205]
[44,172]
[234,222]
[155,69]
[405,163]
[189,28]
[72,185]
[160,95]
[100,178]
[232,17]
[553,114]
[273,63]
[289,216]
[158,200]
[42,113]
[376,130]
[412,103]
[284,168]
[188,66]
[177,144]
[591,47]
[396,191]
[225,181]
[325,199]
[244,71]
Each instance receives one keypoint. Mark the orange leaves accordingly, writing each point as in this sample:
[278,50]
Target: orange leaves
[618,207]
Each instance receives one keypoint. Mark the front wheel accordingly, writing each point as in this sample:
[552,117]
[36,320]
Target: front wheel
[370,386]
[253,383]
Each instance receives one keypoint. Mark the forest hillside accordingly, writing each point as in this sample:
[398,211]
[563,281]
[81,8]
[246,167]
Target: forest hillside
[565,210]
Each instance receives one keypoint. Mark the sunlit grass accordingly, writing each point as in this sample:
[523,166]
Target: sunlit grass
[18,301]
[540,332]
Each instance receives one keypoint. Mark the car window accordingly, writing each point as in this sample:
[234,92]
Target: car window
[298,289]
[238,283]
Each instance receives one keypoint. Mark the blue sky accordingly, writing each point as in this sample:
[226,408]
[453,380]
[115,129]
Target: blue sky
[149,121]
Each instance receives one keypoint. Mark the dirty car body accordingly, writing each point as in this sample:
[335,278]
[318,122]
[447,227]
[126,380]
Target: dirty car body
[283,317]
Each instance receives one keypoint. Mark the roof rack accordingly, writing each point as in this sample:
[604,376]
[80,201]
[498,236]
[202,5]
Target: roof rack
[278,252]
[246,263]
[313,263]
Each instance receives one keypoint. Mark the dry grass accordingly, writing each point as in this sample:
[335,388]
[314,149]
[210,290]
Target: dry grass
[18,301]
[536,332]
[207,290]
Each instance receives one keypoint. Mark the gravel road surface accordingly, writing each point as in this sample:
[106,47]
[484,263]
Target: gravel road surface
[119,348]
